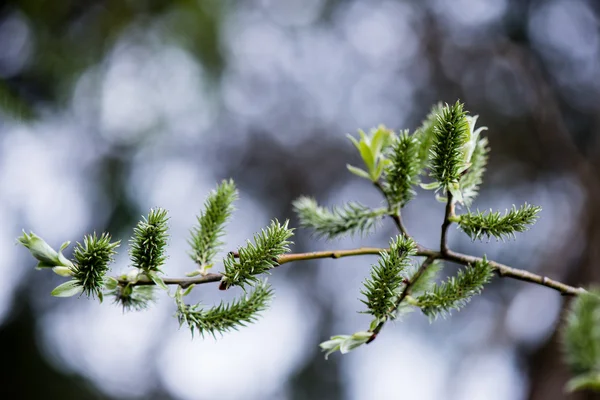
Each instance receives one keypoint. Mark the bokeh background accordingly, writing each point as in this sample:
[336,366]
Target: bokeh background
[110,107]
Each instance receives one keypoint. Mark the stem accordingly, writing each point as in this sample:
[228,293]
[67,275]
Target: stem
[448,215]
[395,214]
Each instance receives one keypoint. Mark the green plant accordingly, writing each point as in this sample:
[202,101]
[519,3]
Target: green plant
[447,150]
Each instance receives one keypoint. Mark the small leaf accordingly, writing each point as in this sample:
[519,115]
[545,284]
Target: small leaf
[366,155]
[354,341]
[158,281]
[40,250]
[331,346]
[358,172]
[589,381]
[63,271]
[110,283]
[430,186]
[188,290]
[67,289]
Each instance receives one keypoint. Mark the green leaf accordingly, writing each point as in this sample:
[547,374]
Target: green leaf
[345,343]
[589,381]
[63,271]
[430,186]
[158,281]
[188,290]
[358,172]
[110,283]
[371,149]
[41,250]
[67,289]
[333,345]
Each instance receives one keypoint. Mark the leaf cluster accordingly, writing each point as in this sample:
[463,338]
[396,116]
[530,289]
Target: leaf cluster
[455,293]
[258,257]
[487,224]
[226,317]
[381,288]
[350,219]
[372,151]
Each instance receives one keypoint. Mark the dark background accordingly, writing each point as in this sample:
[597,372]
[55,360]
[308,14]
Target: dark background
[110,107]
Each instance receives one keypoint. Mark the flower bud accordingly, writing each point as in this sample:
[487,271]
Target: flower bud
[40,250]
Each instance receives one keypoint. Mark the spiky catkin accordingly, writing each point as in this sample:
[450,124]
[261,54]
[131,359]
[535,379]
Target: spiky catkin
[381,288]
[149,241]
[455,292]
[91,260]
[350,219]
[425,135]
[451,132]
[226,317]
[133,298]
[402,173]
[205,236]
[581,333]
[473,178]
[487,224]
[258,257]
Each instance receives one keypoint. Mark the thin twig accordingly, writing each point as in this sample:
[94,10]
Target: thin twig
[446,224]
[459,258]
[394,214]
[509,272]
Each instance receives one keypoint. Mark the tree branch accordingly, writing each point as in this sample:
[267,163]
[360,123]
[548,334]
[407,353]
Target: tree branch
[463,259]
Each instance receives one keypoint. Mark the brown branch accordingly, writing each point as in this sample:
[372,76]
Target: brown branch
[509,272]
[446,224]
[459,258]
